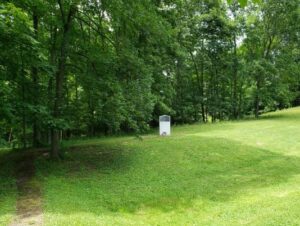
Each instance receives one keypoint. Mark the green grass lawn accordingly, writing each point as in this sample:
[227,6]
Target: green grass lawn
[231,173]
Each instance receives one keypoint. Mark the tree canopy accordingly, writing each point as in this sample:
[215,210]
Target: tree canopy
[91,67]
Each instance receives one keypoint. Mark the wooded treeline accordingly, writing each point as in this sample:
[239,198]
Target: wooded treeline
[91,67]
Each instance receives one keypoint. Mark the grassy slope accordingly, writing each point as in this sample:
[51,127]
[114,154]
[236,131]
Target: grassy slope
[7,187]
[237,173]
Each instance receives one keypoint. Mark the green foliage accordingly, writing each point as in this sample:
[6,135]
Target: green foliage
[86,68]
[243,3]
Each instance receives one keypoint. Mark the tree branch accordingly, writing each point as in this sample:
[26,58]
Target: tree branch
[61,11]
[96,29]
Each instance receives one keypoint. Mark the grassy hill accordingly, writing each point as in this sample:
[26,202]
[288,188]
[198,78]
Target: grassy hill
[231,173]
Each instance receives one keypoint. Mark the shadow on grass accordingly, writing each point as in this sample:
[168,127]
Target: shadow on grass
[7,185]
[280,117]
[292,115]
[13,174]
[99,180]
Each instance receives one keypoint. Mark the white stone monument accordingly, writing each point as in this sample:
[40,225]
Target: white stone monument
[165,125]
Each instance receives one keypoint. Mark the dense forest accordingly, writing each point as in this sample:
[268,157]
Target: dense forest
[71,68]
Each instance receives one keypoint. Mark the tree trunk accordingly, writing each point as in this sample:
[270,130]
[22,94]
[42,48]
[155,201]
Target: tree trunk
[23,107]
[256,106]
[235,77]
[60,76]
[203,112]
[257,99]
[10,135]
[36,136]
[200,81]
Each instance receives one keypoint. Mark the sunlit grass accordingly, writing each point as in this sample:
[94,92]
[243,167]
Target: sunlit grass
[233,173]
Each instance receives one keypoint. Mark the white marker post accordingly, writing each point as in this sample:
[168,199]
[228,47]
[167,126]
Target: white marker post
[164,125]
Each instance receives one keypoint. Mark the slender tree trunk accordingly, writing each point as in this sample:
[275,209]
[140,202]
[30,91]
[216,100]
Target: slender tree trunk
[23,107]
[215,94]
[256,106]
[266,54]
[240,99]
[257,98]
[52,60]
[200,82]
[60,76]
[10,135]
[203,111]
[34,73]
[235,78]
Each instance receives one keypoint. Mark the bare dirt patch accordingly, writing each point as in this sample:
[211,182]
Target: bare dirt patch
[29,201]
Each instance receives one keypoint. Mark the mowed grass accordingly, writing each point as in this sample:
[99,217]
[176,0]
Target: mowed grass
[7,187]
[233,173]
